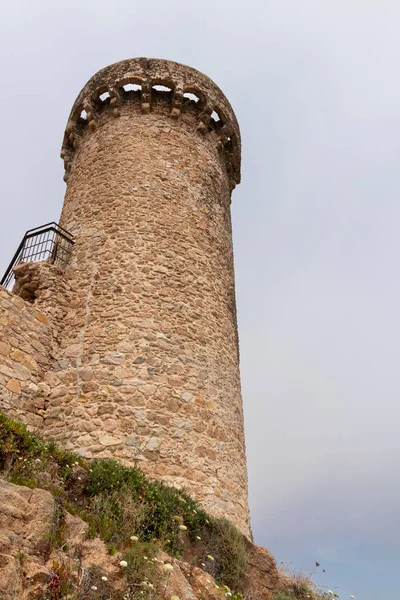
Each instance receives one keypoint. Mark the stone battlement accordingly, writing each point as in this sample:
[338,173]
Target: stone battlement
[155,84]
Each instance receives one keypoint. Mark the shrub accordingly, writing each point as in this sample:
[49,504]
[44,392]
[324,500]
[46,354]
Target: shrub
[118,502]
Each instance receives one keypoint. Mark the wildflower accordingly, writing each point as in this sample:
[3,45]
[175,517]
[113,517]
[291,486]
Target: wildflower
[94,588]
[178,518]
[207,521]
[228,594]
[203,564]
[134,538]
[144,583]
[182,527]
[195,511]
[145,558]
[151,586]
[79,478]
[123,564]
[104,578]
[210,557]
[168,568]
[198,537]
[226,588]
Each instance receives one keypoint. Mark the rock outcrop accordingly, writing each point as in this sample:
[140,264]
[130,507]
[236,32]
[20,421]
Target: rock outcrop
[32,557]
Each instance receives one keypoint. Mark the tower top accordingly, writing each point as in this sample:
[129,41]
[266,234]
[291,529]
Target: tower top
[180,88]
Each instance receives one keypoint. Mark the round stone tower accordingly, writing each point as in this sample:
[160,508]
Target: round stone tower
[149,368]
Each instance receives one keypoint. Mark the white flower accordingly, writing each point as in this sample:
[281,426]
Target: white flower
[123,564]
[198,537]
[104,578]
[168,568]
[145,558]
[134,538]
[183,527]
[94,587]
[210,557]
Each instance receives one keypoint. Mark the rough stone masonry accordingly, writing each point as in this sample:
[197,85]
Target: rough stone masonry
[144,350]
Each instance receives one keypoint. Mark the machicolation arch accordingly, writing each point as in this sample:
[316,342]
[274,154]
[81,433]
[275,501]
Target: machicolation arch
[147,84]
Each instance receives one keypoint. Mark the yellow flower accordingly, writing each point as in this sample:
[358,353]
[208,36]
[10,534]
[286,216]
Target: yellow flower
[210,557]
[168,568]
[134,538]
[178,518]
[182,527]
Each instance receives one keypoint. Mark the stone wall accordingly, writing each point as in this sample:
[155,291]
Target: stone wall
[26,351]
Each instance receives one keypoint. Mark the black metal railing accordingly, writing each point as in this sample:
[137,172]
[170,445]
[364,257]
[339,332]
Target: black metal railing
[48,242]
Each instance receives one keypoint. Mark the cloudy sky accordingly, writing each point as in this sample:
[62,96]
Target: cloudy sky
[315,86]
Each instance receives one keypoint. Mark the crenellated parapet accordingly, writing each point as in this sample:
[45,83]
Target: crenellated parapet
[153,84]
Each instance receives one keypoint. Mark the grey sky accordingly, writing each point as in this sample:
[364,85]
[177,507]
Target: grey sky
[315,87]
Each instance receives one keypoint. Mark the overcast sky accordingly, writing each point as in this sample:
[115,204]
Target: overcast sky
[315,86]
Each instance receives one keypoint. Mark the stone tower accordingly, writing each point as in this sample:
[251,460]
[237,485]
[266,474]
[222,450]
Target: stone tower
[149,364]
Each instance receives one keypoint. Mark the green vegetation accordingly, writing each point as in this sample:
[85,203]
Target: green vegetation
[135,517]
[120,503]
